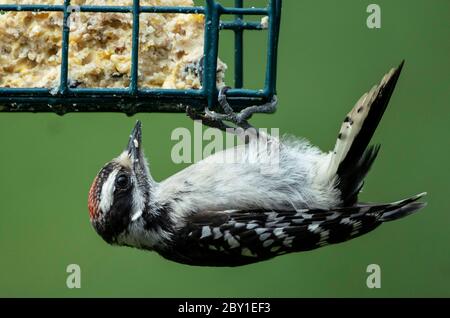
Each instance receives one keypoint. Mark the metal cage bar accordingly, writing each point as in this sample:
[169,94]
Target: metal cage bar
[135,49]
[211,47]
[239,48]
[63,83]
[134,99]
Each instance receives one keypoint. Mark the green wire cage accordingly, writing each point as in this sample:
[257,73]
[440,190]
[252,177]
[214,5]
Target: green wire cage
[134,99]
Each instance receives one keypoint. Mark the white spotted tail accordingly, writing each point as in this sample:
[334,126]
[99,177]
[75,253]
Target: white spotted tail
[351,158]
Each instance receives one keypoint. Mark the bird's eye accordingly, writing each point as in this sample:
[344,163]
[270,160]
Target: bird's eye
[122,181]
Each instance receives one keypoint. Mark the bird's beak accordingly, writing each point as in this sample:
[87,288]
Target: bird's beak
[134,147]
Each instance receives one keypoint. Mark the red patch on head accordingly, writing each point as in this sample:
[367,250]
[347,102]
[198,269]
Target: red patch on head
[93,199]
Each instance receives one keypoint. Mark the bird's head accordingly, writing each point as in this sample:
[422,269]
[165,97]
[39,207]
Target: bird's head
[121,190]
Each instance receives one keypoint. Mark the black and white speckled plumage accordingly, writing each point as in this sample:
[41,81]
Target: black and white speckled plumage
[217,213]
[244,237]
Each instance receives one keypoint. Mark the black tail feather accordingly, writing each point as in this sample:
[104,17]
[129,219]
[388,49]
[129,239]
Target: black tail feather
[351,180]
[358,160]
[403,208]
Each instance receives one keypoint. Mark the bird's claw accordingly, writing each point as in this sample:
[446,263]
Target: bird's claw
[207,120]
[241,118]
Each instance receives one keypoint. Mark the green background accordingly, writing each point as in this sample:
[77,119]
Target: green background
[328,58]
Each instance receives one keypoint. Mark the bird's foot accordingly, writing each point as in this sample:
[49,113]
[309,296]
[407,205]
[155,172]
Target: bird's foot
[206,120]
[240,119]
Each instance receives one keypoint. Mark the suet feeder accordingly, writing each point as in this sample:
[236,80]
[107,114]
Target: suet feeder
[134,99]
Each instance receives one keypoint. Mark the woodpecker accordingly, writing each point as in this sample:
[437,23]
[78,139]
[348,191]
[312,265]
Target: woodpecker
[217,213]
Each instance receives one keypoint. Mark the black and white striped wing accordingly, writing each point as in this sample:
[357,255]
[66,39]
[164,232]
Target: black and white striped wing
[244,237]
